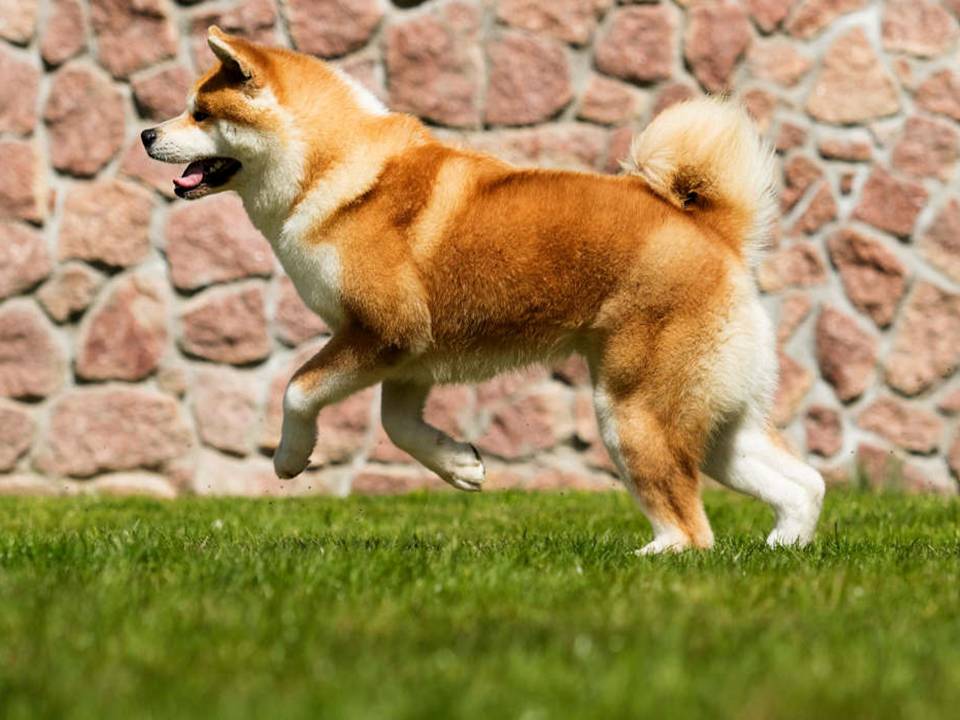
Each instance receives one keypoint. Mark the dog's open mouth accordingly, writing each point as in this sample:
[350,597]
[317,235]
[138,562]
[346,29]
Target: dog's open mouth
[203,175]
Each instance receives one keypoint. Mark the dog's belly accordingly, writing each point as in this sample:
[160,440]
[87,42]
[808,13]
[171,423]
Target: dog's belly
[479,364]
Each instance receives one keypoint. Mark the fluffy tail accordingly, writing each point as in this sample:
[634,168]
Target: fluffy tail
[705,156]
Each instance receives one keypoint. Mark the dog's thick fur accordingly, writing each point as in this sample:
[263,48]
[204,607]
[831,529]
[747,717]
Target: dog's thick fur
[435,264]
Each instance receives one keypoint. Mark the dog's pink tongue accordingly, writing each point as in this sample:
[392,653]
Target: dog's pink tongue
[192,176]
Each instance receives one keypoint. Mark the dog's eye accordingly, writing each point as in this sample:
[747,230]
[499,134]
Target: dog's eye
[200,116]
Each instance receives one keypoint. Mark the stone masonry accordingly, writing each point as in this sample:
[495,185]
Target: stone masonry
[145,342]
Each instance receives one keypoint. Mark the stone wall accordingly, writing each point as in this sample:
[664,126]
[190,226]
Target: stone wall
[144,342]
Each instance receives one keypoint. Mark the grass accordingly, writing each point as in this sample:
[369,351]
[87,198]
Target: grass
[493,606]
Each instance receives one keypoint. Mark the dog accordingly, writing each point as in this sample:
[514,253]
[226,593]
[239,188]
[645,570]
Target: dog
[435,264]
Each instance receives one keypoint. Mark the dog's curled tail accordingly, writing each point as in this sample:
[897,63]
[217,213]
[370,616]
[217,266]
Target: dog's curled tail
[705,156]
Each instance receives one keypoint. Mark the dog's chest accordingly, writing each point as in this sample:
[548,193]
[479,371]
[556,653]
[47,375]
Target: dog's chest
[316,272]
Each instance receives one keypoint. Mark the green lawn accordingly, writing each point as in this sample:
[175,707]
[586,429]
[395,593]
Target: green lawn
[453,605]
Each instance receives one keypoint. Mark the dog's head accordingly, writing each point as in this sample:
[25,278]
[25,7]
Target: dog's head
[257,109]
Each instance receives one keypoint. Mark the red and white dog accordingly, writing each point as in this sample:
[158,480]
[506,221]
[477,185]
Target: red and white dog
[435,264]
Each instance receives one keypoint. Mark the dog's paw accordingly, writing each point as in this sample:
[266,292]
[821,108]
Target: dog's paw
[789,536]
[466,471]
[293,454]
[660,546]
[288,465]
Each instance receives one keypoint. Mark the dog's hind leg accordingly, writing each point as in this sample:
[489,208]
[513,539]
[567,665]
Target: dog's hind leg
[457,463]
[658,460]
[747,457]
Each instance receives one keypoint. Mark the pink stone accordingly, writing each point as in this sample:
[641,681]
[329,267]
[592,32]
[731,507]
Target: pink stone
[950,403]
[70,291]
[162,94]
[106,221]
[873,277]
[572,371]
[379,480]
[940,244]
[504,387]
[811,16]
[157,175]
[31,361]
[18,20]
[433,71]
[853,84]
[85,119]
[853,147]
[768,14]
[331,29]
[563,145]
[846,354]
[218,475]
[926,347]
[31,485]
[790,136]
[940,93]
[927,148]
[570,20]
[779,61]
[796,266]
[821,210]
[795,383]
[213,241]
[526,425]
[64,34]
[608,101]
[671,94]
[907,426]
[760,106]
[22,186]
[919,27]
[224,403]
[124,337]
[953,457]
[24,260]
[102,429]
[294,322]
[132,484]
[793,312]
[885,470]
[529,80]
[19,82]
[227,325]
[250,19]
[824,430]
[639,45]
[132,35]
[718,34]
[16,434]
[618,150]
[890,204]
[800,173]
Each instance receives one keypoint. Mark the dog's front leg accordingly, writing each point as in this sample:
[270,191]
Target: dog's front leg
[350,361]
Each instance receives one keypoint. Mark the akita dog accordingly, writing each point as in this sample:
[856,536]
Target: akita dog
[435,264]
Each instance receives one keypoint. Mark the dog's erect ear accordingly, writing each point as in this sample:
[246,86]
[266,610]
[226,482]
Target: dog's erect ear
[227,51]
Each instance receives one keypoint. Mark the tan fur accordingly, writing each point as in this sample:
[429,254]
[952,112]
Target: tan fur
[445,265]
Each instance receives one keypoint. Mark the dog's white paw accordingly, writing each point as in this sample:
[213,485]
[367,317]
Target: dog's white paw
[790,535]
[465,471]
[293,454]
[659,546]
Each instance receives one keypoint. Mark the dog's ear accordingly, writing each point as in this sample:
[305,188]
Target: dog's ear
[229,51]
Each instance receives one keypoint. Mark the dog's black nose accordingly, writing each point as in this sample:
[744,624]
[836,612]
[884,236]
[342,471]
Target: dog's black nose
[148,136]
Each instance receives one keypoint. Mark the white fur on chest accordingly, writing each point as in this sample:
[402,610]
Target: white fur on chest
[315,270]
